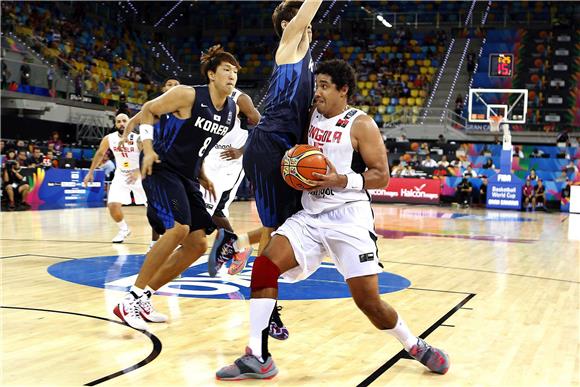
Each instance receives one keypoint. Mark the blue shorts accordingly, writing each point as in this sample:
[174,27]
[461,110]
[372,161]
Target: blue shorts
[173,198]
[276,201]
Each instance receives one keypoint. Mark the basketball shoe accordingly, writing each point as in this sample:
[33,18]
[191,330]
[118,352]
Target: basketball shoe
[248,367]
[121,235]
[129,312]
[147,312]
[434,359]
[222,251]
[277,330]
[240,260]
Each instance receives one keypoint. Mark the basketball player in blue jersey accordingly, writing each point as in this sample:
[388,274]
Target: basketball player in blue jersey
[336,221]
[285,118]
[192,121]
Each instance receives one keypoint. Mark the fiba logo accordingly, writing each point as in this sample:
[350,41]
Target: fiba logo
[118,273]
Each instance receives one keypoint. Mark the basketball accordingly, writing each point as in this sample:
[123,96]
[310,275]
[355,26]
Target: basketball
[298,165]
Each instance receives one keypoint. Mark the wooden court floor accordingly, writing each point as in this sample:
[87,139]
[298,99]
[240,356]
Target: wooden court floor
[497,290]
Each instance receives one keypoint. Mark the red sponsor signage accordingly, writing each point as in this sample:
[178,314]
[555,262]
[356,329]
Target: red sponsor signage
[402,190]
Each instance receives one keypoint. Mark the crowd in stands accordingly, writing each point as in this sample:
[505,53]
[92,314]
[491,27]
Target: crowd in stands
[465,168]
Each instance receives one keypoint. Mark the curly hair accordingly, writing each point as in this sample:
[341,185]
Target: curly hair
[286,10]
[213,57]
[341,72]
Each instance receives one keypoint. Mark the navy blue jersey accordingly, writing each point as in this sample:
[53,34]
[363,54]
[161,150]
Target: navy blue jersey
[288,99]
[183,144]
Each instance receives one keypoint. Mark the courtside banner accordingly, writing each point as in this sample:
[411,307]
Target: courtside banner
[402,190]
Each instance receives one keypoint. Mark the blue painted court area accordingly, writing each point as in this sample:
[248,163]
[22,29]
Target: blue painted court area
[119,273]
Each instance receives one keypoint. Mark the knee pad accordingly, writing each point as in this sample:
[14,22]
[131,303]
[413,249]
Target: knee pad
[264,274]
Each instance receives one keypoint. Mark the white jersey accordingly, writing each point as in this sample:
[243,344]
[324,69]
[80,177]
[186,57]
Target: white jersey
[236,138]
[126,158]
[332,137]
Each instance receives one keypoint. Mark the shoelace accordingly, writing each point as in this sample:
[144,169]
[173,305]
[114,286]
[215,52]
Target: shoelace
[134,309]
[145,305]
[227,252]
[276,317]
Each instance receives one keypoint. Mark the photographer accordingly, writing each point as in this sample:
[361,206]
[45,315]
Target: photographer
[15,182]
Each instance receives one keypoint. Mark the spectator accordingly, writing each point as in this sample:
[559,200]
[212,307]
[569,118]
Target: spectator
[49,161]
[571,167]
[527,194]
[441,140]
[518,152]
[532,176]
[536,153]
[469,172]
[565,193]
[35,160]
[443,162]
[563,137]
[22,159]
[459,104]
[5,75]
[408,171]
[464,190]
[488,164]
[68,162]
[429,162]
[470,63]
[397,169]
[539,195]
[50,74]
[483,190]
[15,183]
[108,166]
[25,74]
[55,143]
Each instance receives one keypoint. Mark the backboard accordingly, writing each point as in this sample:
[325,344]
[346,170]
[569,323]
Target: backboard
[512,104]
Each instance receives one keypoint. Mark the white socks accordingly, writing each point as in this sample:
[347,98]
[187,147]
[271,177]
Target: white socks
[137,291]
[242,242]
[403,334]
[123,225]
[260,312]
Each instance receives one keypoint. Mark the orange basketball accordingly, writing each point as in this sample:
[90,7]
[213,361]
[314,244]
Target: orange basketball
[298,165]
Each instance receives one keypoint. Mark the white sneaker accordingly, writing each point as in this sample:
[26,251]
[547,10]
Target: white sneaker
[121,235]
[148,313]
[128,311]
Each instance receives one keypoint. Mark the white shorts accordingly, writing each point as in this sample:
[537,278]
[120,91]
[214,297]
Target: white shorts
[346,234]
[226,184]
[120,191]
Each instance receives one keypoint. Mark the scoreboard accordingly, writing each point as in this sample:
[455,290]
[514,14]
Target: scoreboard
[501,65]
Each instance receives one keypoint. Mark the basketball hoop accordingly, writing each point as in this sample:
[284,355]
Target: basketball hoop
[494,122]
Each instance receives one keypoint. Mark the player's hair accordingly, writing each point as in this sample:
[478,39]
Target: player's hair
[286,10]
[168,79]
[213,57]
[341,72]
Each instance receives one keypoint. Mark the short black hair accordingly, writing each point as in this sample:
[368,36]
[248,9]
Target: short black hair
[286,10]
[341,72]
[170,78]
[213,57]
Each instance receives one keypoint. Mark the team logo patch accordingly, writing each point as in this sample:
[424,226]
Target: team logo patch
[119,273]
[366,257]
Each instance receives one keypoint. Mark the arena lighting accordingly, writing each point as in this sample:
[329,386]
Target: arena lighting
[382,20]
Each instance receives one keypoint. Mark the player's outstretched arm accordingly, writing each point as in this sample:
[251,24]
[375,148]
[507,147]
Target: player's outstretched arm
[103,146]
[295,28]
[367,140]
[248,109]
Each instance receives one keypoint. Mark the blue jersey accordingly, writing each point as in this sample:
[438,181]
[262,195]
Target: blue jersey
[288,100]
[183,144]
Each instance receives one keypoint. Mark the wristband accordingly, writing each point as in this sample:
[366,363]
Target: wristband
[354,181]
[146,132]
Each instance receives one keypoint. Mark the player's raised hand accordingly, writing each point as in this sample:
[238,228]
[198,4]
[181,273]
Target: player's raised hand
[149,159]
[331,180]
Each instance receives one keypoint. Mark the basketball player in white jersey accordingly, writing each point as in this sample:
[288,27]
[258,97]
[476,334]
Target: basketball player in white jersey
[127,176]
[223,167]
[337,221]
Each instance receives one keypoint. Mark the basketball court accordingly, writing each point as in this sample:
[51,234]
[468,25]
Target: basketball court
[497,290]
